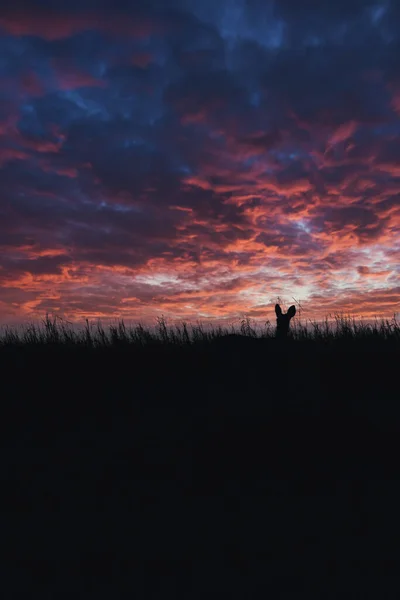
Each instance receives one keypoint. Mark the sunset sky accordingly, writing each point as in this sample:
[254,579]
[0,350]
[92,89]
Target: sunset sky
[199,158]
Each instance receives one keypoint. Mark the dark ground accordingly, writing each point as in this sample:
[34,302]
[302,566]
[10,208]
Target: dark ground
[242,470]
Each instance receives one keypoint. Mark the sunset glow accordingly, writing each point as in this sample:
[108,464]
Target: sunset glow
[199,159]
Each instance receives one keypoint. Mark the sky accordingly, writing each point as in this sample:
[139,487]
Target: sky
[199,159]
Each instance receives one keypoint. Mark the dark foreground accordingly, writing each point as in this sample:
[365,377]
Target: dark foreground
[232,469]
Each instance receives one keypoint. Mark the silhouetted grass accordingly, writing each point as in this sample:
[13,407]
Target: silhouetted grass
[342,365]
[55,331]
[188,448]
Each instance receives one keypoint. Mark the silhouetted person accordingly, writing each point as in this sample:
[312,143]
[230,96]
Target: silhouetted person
[283,320]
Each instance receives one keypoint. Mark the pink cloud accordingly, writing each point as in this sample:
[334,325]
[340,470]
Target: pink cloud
[142,59]
[343,133]
[73,80]
[58,26]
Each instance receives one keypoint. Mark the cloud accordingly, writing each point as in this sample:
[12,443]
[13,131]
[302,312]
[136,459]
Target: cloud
[53,23]
[185,158]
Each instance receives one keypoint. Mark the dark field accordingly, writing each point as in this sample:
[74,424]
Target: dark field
[202,465]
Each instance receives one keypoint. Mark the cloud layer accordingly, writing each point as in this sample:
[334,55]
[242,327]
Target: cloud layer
[199,159]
